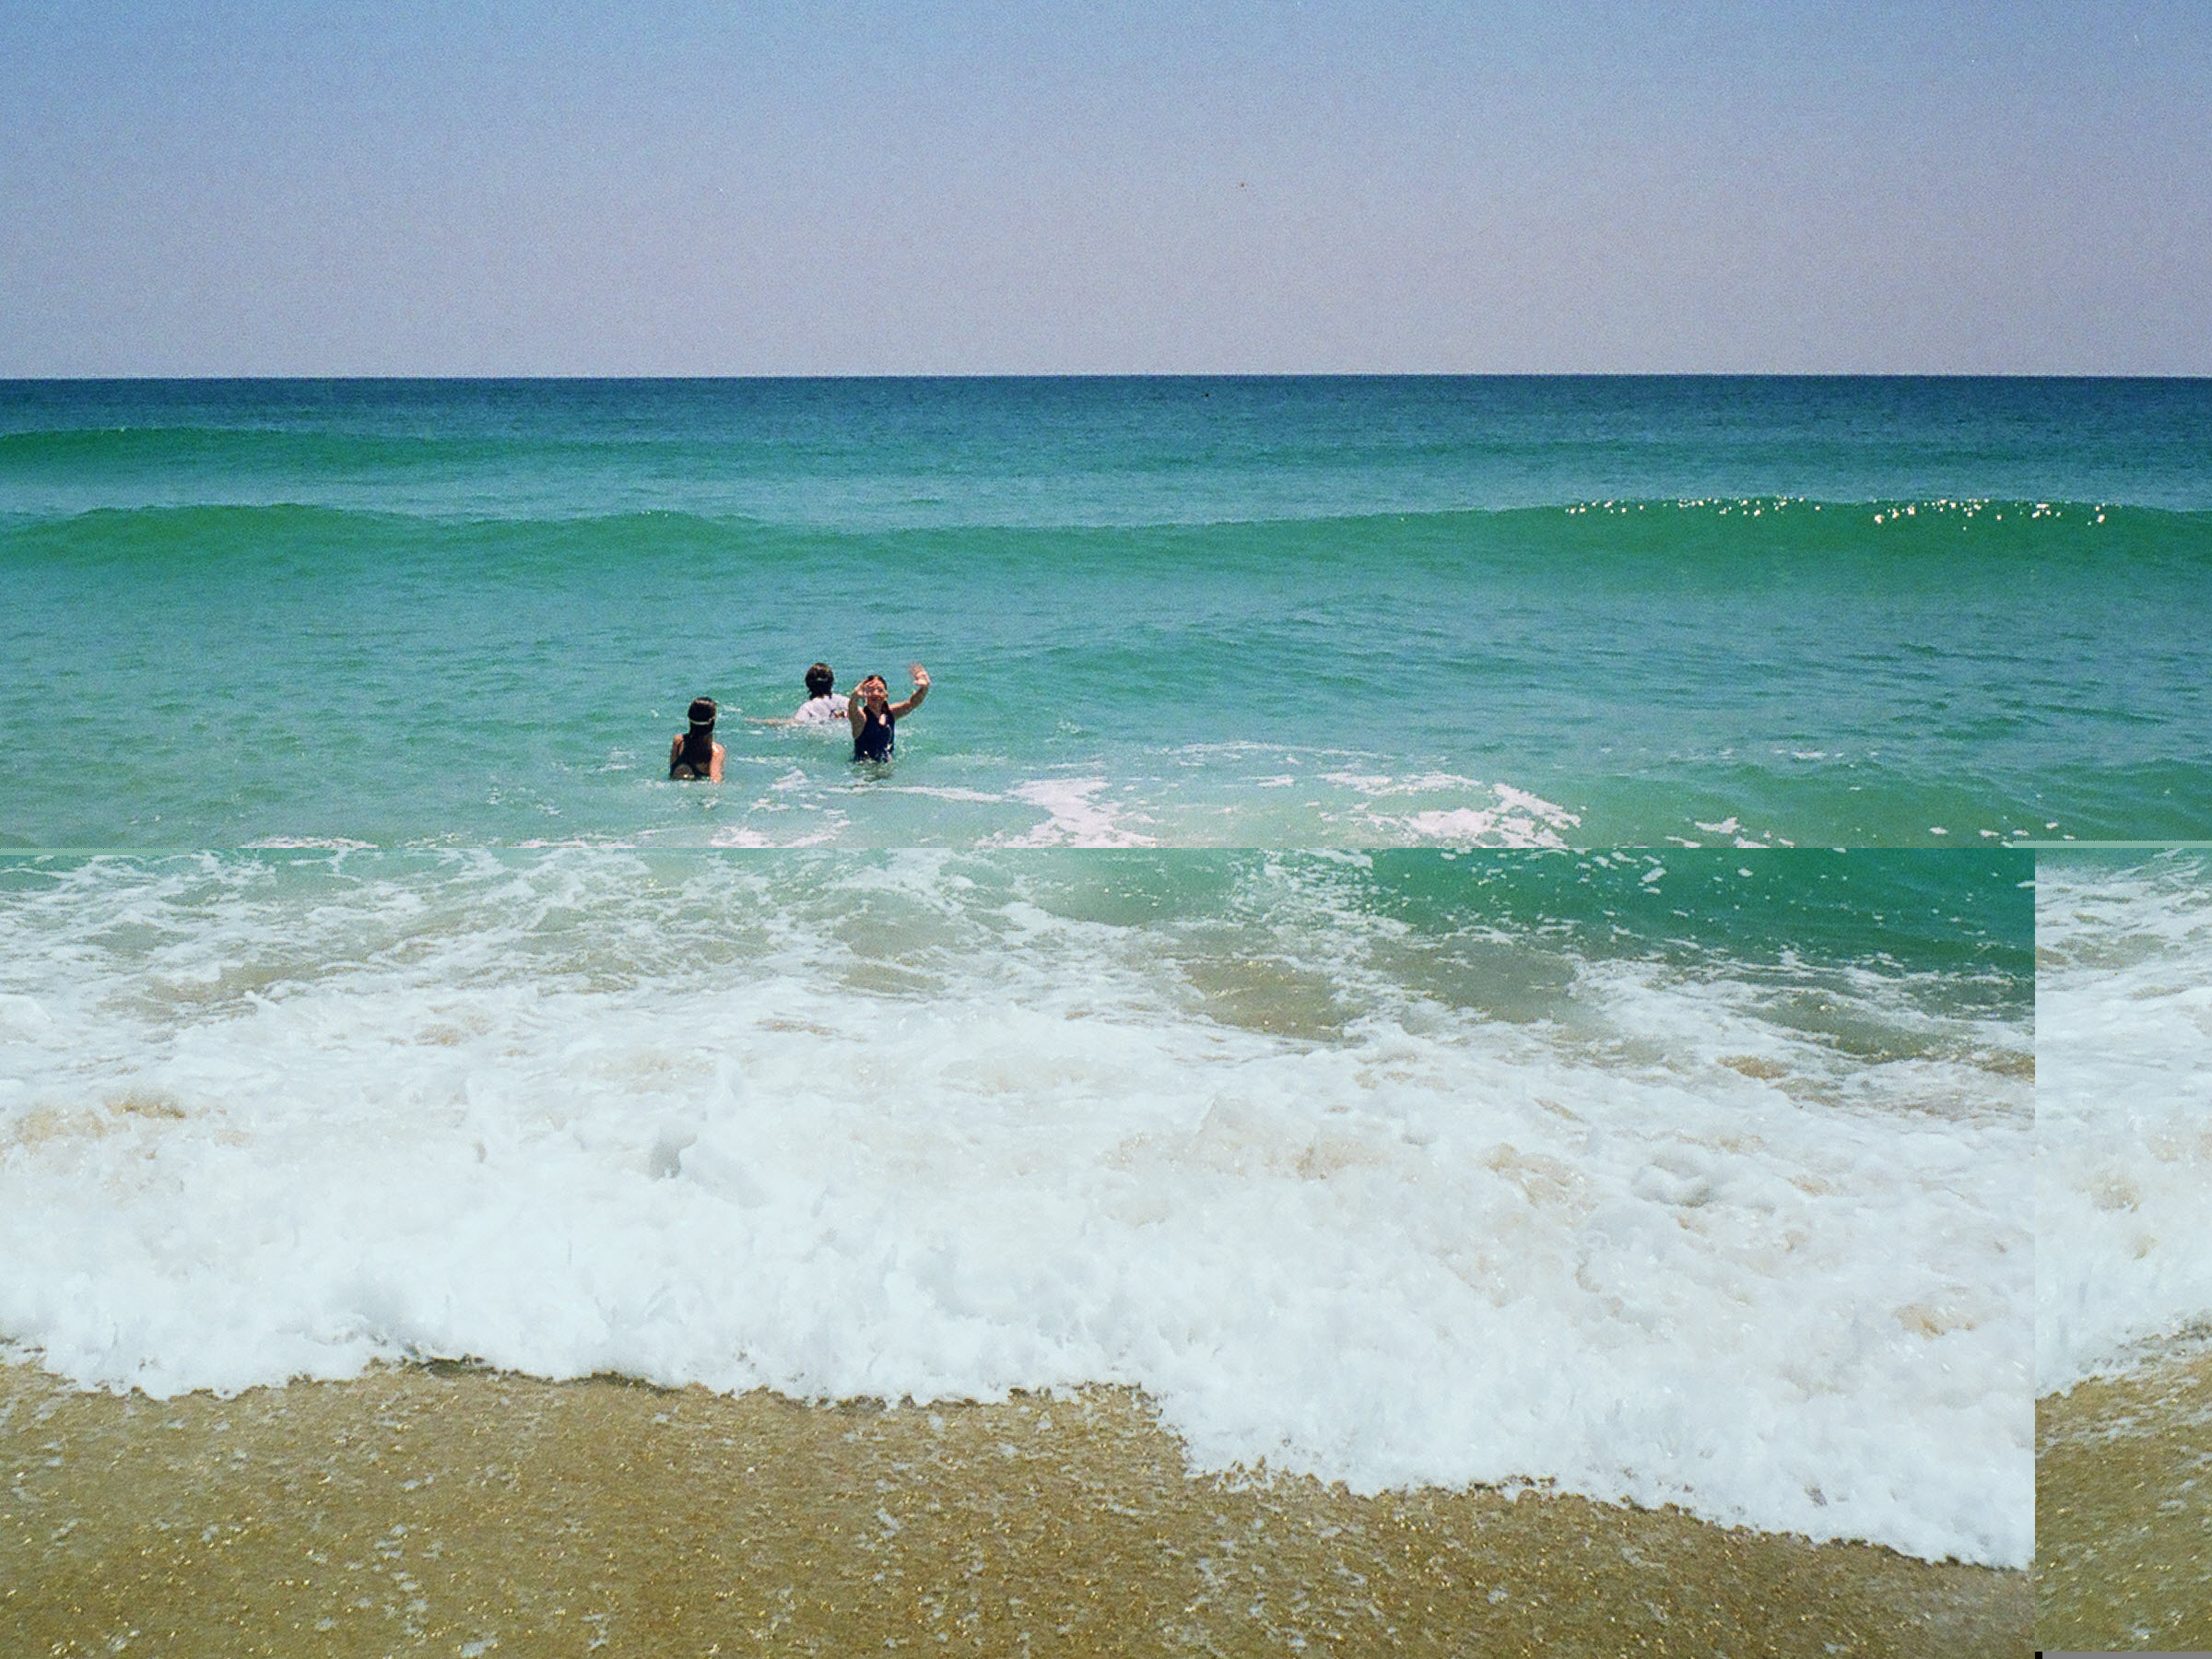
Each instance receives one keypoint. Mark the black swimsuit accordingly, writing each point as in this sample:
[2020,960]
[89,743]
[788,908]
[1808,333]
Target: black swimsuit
[690,765]
[873,741]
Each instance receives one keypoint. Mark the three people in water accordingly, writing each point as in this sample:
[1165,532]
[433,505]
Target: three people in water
[867,707]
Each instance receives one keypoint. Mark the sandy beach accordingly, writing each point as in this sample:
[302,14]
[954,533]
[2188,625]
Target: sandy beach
[2123,1510]
[444,1510]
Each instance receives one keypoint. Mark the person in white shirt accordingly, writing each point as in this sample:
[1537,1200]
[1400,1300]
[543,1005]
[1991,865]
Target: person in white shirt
[822,706]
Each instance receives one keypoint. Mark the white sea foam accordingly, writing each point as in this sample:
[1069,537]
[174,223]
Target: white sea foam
[1239,794]
[2124,1111]
[1505,817]
[1516,820]
[912,1125]
[1079,819]
[1366,783]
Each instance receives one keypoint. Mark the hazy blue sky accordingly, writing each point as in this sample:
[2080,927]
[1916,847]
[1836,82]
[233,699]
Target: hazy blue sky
[273,186]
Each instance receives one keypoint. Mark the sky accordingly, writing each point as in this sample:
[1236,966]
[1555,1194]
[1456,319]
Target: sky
[480,187]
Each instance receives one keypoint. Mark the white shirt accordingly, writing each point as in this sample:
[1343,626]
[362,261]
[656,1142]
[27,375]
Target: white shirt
[820,708]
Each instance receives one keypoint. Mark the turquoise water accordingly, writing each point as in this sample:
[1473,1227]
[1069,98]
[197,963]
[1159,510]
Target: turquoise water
[1289,613]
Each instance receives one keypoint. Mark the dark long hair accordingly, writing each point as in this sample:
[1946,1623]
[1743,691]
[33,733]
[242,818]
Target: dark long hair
[698,742]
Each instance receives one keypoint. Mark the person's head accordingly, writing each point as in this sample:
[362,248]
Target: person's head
[821,682]
[875,691]
[703,713]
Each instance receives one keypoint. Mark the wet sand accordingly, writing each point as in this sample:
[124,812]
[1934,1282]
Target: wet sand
[448,1511]
[2124,1511]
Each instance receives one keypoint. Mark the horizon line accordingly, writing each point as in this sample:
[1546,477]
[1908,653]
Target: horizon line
[1347,374]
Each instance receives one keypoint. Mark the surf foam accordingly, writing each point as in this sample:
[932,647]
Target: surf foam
[911,1127]
[2124,1109]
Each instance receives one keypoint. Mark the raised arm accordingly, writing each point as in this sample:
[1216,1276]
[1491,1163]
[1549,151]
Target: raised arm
[921,676]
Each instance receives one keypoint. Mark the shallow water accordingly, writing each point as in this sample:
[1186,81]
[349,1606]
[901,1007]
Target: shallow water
[1690,1180]
[2124,1508]
[459,1510]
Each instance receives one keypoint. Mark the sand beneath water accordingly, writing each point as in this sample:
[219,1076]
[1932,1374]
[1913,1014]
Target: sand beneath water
[2124,1511]
[447,1511]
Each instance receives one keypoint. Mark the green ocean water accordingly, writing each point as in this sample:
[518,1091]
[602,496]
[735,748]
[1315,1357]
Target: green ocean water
[1178,613]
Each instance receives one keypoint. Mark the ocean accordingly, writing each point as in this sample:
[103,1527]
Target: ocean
[1442,931]
[1298,612]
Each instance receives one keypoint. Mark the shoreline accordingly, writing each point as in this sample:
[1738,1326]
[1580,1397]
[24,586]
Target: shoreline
[2123,1510]
[439,1508]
